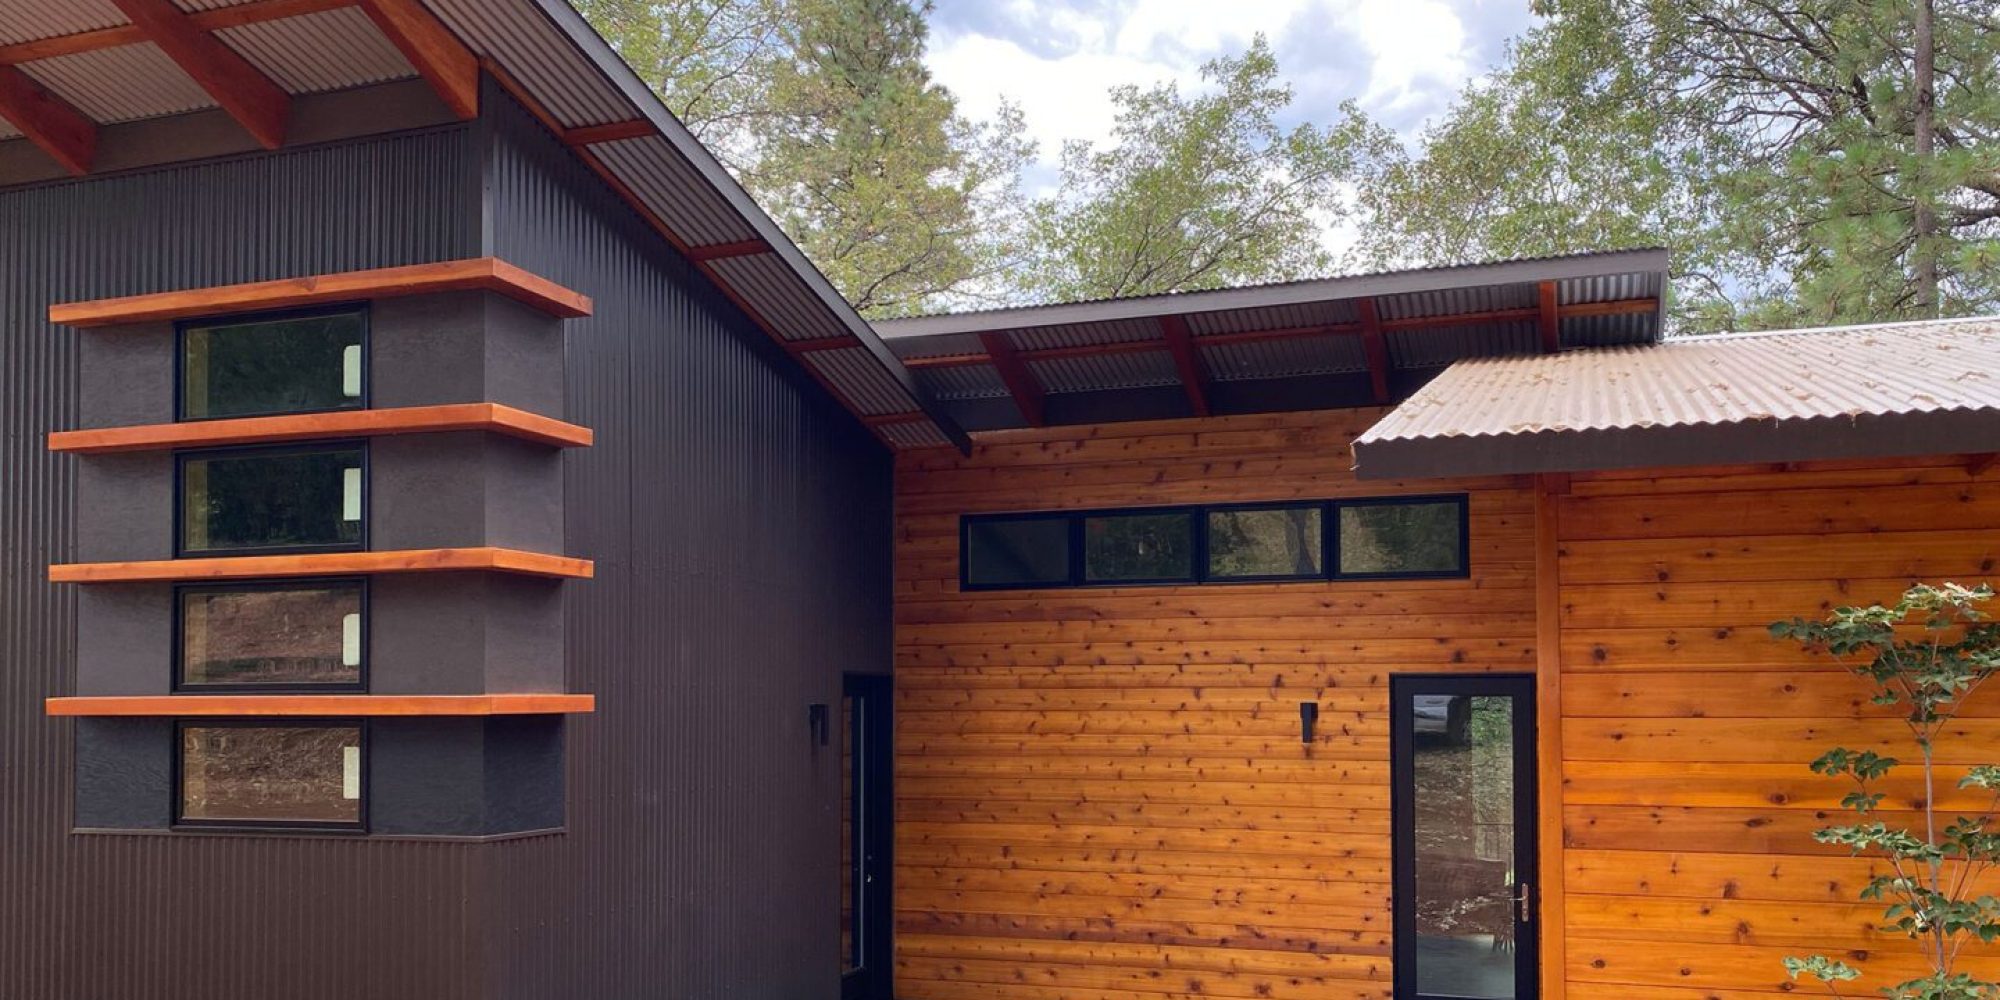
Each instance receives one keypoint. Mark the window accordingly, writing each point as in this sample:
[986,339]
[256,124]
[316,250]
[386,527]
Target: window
[1030,551]
[292,364]
[285,498]
[1403,537]
[1373,538]
[306,635]
[1139,548]
[269,773]
[1266,543]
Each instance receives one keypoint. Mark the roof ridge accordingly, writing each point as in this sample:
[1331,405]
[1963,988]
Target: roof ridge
[1683,339]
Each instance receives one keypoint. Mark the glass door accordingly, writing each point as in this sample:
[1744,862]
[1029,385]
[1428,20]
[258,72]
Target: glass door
[867,811]
[1463,764]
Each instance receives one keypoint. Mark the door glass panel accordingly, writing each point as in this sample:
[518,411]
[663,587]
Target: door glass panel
[1464,851]
[850,840]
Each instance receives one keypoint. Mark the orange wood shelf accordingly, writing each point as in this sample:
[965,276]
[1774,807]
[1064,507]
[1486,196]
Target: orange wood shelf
[485,274]
[326,564]
[237,705]
[491,417]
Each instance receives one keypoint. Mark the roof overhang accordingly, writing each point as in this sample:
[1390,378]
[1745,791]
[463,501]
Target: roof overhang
[1880,391]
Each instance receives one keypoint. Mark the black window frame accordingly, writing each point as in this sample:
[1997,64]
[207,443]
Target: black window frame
[179,652]
[182,458]
[360,309]
[1197,546]
[179,803]
[1329,542]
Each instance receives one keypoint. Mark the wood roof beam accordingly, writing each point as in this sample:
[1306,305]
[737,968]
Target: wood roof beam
[1021,383]
[1548,318]
[214,19]
[439,57]
[257,104]
[1376,346]
[1187,361]
[47,120]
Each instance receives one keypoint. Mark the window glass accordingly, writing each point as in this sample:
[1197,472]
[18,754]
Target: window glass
[307,775]
[1138,547]
[1414,538]
[293,365]
[308,634]
[1265,542]
[272,499]
[1015,551]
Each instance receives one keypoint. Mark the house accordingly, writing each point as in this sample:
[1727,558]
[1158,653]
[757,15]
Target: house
[452,545]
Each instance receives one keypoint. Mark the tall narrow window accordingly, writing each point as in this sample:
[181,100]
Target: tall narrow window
[304,635]
[270,773]
[289,364]
[286,498]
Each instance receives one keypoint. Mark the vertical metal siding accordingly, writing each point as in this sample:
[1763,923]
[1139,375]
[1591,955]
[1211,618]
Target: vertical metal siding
[741,525]
[140,917]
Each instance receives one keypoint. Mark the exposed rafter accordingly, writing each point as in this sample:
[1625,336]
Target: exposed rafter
[1020,381]
[586,135]
[1375,346]
[444,62]
[214,19]
[1549,318]
[259,105]
[47,120]
[1187,361]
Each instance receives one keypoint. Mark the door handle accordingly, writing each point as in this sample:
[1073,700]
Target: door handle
[1524,902]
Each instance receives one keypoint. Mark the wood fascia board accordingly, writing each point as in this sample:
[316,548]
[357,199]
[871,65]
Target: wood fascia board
[238,87]
[494,418]
[437,54]
[48,121]
[486,559]
[476,274]
[316,705]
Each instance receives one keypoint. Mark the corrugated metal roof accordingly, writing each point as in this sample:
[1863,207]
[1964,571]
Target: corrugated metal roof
[869,388]
[538,54]
[964,382]
[331,50]
[1091,373]
[765,280]
[123,84]
[1791,395]
[1288,358]
[28,22]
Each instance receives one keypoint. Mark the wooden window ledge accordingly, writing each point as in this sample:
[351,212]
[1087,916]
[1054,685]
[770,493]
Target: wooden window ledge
[256,705]
[482,274]
[491,417]
[326,564]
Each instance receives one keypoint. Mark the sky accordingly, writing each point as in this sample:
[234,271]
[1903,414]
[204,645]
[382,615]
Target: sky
[1402,60]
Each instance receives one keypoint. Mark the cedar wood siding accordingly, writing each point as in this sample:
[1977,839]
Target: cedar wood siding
[1102,794]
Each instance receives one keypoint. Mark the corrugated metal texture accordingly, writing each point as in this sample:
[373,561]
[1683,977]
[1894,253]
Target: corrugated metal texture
[673,191]
[862,380]
[918,435]
[1082,334]
[1284,317]
[177,918]
[963,382]
[121,84]
[741,526]
[537,53]
[1291,357]
[764,279]
[1867,391]
[1124,370]
[331,50]
[27,22]
[1435,347]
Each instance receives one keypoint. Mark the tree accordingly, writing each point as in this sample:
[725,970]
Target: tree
[1929,653]
[1194,192]
[709,60]
[1807,160]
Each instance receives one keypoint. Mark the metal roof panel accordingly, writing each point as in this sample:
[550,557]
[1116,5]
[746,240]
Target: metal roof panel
[120,84]
[330,50]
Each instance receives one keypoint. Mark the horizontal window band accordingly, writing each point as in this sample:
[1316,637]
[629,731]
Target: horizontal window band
[494,418]
[484,559]
[320,705]
[481,274]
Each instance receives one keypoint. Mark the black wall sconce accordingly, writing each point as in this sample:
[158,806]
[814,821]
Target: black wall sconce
[1308,715]
[816,716]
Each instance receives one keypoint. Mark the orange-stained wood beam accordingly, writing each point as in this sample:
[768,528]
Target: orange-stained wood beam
[491,417]
[214,19]
[587,135]
[1549,318]
[257,104]
[1375,346]
[724,251]
[1187,361]
[47,120]
[444,62]
[1020,381]
[238,705]
[490,560]
[486,274]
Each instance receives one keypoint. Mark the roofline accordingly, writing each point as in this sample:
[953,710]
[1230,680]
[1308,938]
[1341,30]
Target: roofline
[620,75]
[1289,293]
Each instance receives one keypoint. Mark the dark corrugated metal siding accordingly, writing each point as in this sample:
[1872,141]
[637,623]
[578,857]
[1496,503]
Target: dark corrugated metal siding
[130,917]
[741,525]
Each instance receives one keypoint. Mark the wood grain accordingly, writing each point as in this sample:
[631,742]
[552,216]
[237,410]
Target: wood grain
[486,274]
[494,418]
[323,704]
[51,123]
[493,560]
[237,86]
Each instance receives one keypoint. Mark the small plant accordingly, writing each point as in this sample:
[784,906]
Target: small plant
[1928,653]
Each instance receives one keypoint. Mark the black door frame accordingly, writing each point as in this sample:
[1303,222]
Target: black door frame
[1527,814]
[873,860]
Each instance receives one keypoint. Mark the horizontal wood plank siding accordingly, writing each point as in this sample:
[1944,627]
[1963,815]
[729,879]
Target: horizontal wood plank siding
[1690,869]
[1102,793]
